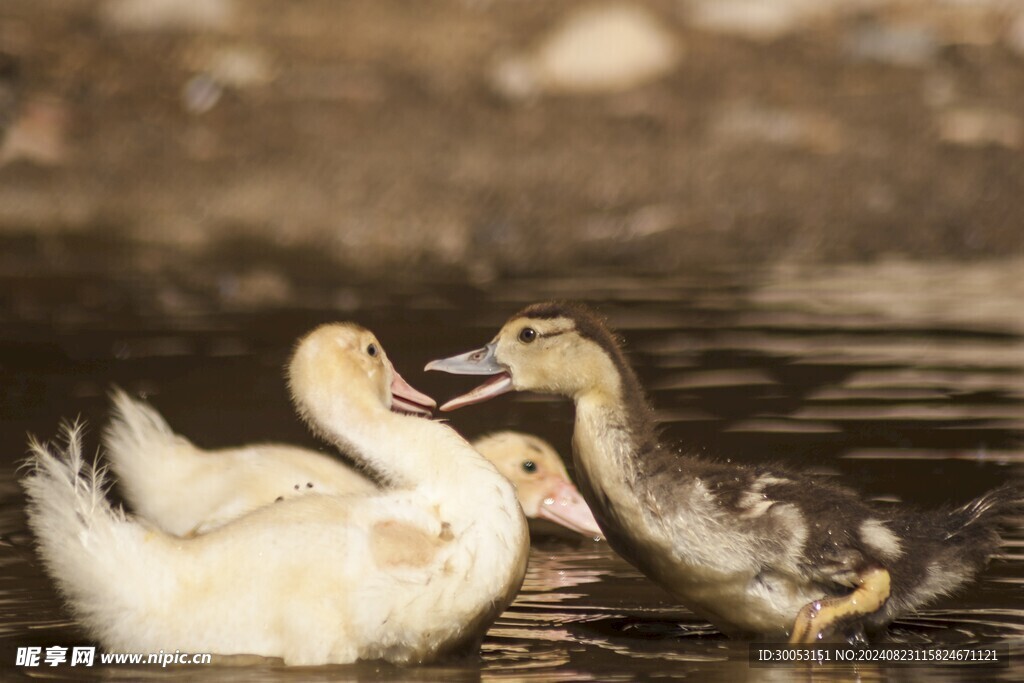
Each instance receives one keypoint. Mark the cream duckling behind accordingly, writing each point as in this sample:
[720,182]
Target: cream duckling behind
[542,484]
[186,490]
[411,573]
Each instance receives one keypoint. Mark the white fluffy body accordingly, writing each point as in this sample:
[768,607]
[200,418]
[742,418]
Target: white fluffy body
[409,574]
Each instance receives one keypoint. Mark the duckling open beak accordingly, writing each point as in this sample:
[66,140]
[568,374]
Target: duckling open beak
[478,362]
[405,399]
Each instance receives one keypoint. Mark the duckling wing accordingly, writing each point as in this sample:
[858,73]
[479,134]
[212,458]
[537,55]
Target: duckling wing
[400,544]
[807,528]
[368,544]
[842,535]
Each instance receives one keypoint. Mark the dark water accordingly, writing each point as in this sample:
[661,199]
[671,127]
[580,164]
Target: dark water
[907,381]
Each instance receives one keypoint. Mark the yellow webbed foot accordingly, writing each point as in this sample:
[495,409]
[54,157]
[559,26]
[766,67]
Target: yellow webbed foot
[817,617]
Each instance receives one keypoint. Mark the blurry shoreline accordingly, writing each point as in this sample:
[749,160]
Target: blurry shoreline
[477,139]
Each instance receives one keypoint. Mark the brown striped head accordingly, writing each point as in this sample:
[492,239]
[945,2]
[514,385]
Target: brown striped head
[556,348]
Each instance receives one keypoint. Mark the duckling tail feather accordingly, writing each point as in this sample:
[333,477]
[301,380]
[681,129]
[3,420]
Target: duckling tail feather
[136,431]
[980,520]
[83,540]
[138,416]
[964,539]
[150,460]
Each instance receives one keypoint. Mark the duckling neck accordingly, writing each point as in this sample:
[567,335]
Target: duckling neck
[407,453]
[616,453]
[388,444]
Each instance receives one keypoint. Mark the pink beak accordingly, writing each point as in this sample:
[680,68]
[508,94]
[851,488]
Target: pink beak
[564,505]
[405,399]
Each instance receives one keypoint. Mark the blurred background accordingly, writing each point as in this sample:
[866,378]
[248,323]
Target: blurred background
[805,217]
[481,138]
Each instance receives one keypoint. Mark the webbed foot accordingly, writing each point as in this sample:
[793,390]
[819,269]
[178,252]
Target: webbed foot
[818,618]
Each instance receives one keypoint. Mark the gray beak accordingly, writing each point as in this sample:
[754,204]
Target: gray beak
[479,362]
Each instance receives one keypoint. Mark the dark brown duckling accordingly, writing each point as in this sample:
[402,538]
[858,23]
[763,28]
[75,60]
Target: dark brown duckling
[755,550]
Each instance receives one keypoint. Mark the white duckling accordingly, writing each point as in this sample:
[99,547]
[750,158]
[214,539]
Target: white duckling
[411,573]
[186,490]
[755,550]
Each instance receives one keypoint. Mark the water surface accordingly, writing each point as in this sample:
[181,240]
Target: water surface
[904,380]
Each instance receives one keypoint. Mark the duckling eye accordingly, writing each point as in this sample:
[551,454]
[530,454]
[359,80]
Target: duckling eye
[527,335]
[529,466]
[371,349]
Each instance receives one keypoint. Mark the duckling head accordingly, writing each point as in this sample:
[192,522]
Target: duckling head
[341,369]
[555,348]
[542,484]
